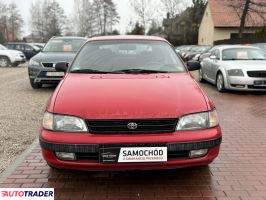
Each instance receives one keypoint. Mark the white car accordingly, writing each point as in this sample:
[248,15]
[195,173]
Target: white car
[10,57]
[235,67]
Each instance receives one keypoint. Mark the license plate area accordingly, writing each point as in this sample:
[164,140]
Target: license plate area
[133,154]
[260,83]
[55,74]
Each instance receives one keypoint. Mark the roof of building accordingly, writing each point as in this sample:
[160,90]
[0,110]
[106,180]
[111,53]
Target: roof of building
[226,13]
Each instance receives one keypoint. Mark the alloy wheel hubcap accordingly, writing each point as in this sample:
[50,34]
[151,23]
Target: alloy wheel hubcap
[220,82]
[3,62]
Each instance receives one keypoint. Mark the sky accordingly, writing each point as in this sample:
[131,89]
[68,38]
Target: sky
[123,9]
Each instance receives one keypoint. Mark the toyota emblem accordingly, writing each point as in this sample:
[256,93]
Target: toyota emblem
[132,126]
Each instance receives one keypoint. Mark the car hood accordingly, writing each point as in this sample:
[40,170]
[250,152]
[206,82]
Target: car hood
[246,64]
[127,96]
[54,57]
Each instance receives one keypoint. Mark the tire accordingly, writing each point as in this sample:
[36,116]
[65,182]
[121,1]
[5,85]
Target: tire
[35,85]
[15,65]
[220,82]
[201,76]
[4,61]
[52,167]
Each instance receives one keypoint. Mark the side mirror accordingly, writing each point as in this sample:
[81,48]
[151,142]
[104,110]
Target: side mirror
[61,67]
[193,65]
[213,57]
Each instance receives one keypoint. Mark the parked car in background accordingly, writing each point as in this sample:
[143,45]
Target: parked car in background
[196,55]
[28,50]
[10,57]
[39,45]
[180,48]
[196,52]
[235,67]
[184,50]
[127,103]
[41,67]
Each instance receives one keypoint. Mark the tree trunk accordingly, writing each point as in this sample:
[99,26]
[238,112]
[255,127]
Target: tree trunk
[243,19]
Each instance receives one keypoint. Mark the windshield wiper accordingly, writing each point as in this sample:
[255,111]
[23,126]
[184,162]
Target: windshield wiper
[138,71]
[89,71]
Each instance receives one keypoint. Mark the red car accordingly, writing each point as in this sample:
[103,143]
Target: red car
[129,102]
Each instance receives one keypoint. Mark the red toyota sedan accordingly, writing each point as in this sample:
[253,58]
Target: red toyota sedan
[126,103]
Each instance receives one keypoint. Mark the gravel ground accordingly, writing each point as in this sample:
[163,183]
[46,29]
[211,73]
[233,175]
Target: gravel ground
[21,110]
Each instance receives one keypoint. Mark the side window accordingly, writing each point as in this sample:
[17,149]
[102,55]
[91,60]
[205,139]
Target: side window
[217,54]
[11,46]
[28,48]
[19,47]
[212,52]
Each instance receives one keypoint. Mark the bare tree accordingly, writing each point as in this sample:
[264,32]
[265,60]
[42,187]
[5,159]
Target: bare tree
[47,19]
[11,22]
[146,11]
[141,8]
[37,19]
[106,16]
[3,20]
[246,9]
[173,7]
[83,17]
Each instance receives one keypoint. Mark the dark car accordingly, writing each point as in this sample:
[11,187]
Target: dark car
[29,50]
[42,66]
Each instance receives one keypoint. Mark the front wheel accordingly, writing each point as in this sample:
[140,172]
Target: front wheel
[35,85]
[220,82]
[201,76]
[4,61]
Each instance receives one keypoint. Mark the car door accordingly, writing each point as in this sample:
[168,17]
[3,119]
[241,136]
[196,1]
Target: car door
[215,64]
[206,65]
[29,51]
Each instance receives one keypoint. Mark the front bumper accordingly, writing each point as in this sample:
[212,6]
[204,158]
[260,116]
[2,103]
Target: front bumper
[39,75]
[176,143]
[18,60]
[245,83]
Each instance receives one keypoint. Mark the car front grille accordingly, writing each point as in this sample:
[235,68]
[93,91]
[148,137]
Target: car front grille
[257,74]
[121,126]
[91,152]
[49,65]
[257,87]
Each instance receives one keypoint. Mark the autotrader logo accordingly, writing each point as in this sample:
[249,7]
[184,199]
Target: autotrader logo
[132,126]
[26,193]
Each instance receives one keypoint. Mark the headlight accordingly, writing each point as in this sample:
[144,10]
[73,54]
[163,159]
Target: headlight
[64,123]
[33,63]
[198,121]
[235,72]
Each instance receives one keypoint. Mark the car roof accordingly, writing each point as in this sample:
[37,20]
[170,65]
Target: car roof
[127,37]
[68,37]
[223,47]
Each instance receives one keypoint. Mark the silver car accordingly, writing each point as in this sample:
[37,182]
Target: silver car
[235,68]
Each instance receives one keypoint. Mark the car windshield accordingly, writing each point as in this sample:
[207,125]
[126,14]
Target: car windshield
[64,45]
[262,46]
[134,56]
[2,47]
[243,54]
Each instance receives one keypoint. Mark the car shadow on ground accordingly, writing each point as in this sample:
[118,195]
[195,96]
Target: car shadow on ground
[155,181]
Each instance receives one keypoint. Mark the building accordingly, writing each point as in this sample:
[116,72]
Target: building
[221,20]
[180,29]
